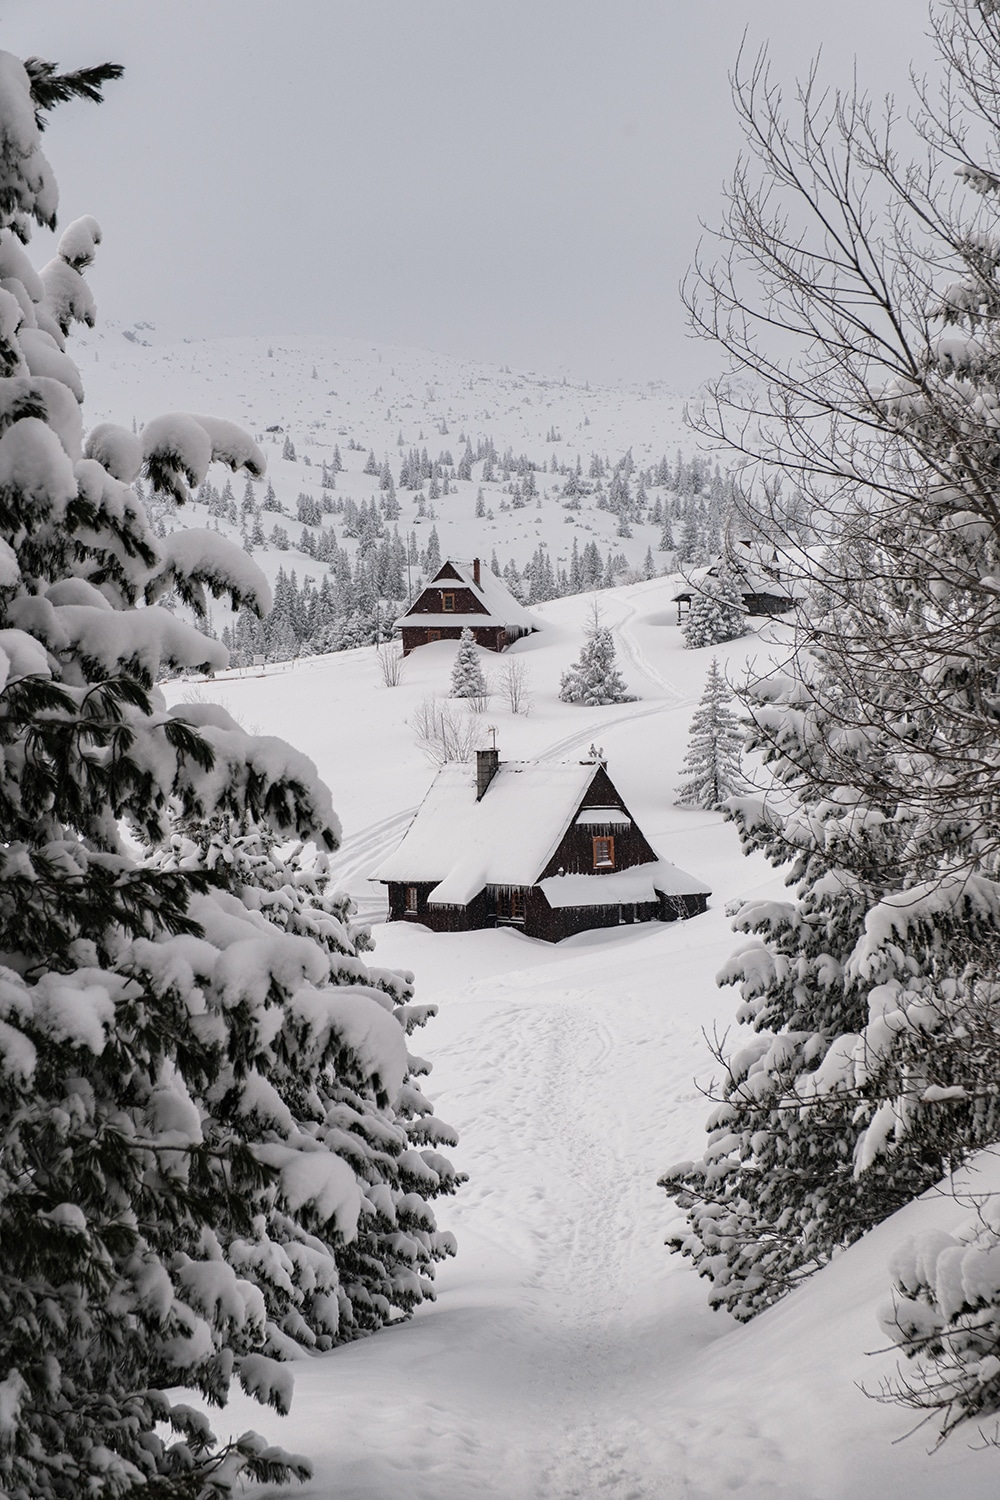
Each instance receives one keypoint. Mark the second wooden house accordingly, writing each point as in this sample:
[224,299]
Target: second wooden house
[462,595]
[758,577]
[546,847]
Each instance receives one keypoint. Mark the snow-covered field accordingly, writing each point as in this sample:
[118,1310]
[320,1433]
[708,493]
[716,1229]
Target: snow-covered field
[569,1354]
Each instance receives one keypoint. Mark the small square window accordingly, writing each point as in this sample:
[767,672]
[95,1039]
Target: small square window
[433,635]
[448,603]
[604,854]
[411,900]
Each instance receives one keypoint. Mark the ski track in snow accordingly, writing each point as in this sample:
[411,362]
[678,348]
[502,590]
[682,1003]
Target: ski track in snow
[357,856]
[633,652]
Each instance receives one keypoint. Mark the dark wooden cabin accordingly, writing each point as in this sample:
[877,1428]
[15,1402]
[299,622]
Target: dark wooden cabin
[462,595]
[757,577]
[548,848]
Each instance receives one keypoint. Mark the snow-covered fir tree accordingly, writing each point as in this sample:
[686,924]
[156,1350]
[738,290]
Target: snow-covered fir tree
[715,613]
[595,678]
[467,679]
[193,1090]
[387,1266]
[712,764]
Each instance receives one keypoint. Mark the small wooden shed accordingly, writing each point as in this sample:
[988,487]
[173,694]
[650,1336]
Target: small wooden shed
[546,847]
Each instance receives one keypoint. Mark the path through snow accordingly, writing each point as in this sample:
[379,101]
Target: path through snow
[533,1377]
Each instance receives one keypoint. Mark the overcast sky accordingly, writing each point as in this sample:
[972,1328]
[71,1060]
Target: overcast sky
[512,180]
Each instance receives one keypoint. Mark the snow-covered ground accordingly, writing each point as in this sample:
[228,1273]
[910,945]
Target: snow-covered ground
[569,1354]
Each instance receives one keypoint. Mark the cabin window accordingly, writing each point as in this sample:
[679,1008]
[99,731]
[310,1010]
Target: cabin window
[411,901]
[448,603]
[604,854]
[433,635]
[517,906]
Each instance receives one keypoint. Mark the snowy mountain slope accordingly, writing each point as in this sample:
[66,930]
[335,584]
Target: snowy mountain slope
[569,1354]
[370,392]
[323,393]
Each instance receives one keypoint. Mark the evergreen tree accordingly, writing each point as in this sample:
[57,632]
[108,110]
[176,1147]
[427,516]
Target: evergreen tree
[715,613]
[432,564]
[594,678]
[467,680]
[328,1293]
[193,1100]
[712,764]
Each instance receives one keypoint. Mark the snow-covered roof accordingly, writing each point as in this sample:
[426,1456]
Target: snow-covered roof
[496,598]
[638,883]
[751,569]
[508,837]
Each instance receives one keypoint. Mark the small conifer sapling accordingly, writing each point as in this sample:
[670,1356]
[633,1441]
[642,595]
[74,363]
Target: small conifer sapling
[712,764]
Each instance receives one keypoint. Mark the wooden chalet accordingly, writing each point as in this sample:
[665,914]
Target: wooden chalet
[758,577]
[548,848]
[465,595]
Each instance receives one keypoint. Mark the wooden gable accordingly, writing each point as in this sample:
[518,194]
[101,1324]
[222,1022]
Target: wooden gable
[580,850]
[447,594]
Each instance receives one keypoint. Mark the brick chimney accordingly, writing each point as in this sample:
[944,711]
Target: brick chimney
[487,765]
[475,571]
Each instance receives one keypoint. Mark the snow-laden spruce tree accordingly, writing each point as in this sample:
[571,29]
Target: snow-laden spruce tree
[387,1266]
[467,679]
[194,1096]
[712,764]
[863,1080]
[716,612]
[594,678]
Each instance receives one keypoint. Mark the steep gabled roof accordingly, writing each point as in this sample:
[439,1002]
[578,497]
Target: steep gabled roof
[496,598]
[751,568]
[505,839]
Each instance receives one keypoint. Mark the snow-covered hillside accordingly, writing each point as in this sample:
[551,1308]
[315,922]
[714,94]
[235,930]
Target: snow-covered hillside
[359,405]
[569,1354]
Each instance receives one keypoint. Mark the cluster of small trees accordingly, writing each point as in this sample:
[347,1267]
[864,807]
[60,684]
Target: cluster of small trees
[871,993]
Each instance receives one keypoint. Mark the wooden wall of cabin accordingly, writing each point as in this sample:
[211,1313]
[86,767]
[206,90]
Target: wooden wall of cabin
[493,908]
[437,918]
[491,637]
[428,601]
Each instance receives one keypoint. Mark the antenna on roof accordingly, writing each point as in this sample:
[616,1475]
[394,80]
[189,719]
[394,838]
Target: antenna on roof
[491,729]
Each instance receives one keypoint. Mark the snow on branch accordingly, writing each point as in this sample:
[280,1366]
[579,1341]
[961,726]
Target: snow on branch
[112,643]
[27,187]
[196,560]
[279,784]
[117,449]
[179,447]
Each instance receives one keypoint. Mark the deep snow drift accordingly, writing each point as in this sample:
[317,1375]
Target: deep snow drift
[569,1354]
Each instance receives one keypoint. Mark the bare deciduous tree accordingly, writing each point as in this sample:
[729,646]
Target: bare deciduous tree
[390,664]
[515,685]
[857,297]
[443,733]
